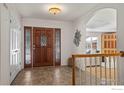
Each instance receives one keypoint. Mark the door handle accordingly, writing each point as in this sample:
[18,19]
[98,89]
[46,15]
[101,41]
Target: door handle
[16,50]
[33,47]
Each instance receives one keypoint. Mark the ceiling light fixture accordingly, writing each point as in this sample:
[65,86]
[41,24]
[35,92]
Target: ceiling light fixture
[54,10]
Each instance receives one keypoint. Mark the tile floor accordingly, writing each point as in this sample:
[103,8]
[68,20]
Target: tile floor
[54,76]
[44,76]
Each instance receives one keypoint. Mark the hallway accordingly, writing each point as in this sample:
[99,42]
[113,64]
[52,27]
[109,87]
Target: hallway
[56,39]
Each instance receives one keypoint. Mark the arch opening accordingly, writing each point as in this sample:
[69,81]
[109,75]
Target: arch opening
[100,27]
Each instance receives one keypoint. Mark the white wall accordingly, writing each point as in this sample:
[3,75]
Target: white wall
[81,22]
[6,11]
[120,40]
[0,44]
[66,34]
[80,25]
[4,46]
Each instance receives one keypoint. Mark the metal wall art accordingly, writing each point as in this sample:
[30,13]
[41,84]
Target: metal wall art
[77,38]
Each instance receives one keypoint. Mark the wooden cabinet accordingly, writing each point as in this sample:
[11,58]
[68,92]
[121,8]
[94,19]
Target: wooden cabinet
[109,43]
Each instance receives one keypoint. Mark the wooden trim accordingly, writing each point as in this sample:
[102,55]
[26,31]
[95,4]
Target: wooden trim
[44,28]
[53,47]
[95,55]
[25,27]
[73,70]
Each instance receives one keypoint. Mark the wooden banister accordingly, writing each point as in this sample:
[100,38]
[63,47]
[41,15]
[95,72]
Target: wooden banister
[74,56]
[95,55]
[73,70]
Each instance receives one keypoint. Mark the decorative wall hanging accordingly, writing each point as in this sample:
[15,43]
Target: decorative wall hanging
[77,38]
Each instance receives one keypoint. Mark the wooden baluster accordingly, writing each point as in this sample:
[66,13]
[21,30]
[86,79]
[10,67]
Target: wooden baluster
[73,70]
[100,69]
[105,72]
[114,71]
[85,60]
[110,69]
[95,71]
[90,71]
[117,72]
[80,73]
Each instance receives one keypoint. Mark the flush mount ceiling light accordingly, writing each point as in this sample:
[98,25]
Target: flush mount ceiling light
[54,10]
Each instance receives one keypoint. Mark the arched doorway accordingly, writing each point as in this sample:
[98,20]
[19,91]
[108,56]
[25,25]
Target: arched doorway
[101,38]
[101,32]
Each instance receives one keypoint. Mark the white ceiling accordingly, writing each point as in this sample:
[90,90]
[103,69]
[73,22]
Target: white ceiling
[69,12]
[103,21]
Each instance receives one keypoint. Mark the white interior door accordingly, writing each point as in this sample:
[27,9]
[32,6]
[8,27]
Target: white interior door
[15,54]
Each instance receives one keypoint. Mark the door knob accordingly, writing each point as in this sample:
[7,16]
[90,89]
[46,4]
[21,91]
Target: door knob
[16,50]
[33,45]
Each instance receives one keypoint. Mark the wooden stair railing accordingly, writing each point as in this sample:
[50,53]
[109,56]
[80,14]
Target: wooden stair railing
[74,56]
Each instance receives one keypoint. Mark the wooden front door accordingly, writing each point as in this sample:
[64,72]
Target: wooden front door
[42,47]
